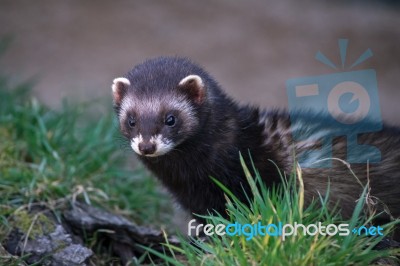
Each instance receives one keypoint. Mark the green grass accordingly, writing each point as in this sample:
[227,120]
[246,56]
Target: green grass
[55,156]
[283,204]
[52,157]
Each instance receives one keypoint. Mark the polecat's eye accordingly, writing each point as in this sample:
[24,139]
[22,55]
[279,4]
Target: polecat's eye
[131,121]
[170,121]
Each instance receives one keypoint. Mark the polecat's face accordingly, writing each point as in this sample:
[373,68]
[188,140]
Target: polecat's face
[156,122]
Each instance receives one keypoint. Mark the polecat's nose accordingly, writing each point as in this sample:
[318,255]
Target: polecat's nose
[147,148]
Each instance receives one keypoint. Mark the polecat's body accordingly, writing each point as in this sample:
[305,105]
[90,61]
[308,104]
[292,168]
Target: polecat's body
[185,129]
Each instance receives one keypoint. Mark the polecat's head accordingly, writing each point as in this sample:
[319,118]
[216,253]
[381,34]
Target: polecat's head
[158,104]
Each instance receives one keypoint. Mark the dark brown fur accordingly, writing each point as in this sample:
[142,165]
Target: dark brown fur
[225,128]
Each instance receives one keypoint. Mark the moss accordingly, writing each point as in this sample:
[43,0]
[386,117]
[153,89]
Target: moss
[42,224]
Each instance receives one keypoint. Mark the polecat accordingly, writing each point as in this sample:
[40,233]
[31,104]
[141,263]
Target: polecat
[185,129]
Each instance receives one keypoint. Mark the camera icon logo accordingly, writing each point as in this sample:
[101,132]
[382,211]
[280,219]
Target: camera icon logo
[349,114]
[334,105]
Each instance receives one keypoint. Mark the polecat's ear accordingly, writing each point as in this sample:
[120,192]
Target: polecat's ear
[193,85]
[119,88]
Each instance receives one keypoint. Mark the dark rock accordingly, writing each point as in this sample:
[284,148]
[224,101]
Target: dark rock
[125,236]
[53,249]
[39,237]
